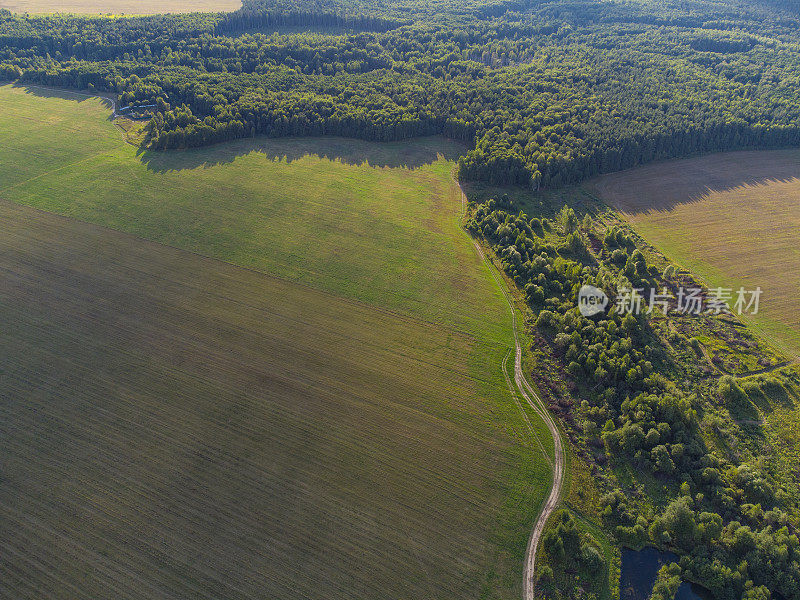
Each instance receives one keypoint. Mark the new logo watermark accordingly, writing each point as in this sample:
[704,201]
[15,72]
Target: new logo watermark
[692,301]
[591,301]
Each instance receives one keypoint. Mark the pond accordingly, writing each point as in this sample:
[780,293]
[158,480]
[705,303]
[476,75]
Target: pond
[639,569]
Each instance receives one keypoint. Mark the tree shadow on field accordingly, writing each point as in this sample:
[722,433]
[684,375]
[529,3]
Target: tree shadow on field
[660,187]
[76,96]
[410,154]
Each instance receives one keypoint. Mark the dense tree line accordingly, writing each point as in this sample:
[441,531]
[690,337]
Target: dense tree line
[545,93]
[730,520]
[256,17]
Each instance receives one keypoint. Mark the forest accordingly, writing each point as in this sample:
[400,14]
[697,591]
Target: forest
[543,93]
[636,398]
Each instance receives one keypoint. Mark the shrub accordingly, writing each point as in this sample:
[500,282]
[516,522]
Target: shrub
[546,574]
[591,558]
[730,391]
[10,72]
[667,582]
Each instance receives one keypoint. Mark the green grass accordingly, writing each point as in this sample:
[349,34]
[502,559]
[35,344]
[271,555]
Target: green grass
[329,422]
[376,222]
[777,441]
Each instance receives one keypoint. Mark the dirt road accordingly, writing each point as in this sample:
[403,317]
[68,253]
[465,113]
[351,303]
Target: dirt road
[536,403]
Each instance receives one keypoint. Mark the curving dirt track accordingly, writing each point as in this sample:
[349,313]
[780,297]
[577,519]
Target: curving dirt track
[536,403]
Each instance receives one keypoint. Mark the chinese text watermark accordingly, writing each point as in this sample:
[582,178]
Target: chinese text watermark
[689,301]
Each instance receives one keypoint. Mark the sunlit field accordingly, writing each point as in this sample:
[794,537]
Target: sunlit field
[118,7]
[733,219]
[263,369]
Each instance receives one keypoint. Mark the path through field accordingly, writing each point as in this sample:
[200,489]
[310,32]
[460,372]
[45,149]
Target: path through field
[174,425]
[536,403]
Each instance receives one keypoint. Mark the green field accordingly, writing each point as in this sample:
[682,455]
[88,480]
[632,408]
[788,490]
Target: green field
[733,219]
[118,7]
[329,422]
[376,222]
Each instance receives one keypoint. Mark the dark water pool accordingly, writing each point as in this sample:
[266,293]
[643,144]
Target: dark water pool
[639,569]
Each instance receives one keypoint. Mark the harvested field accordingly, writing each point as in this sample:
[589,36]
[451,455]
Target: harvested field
[733,219]
[173,426]
[119,7]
